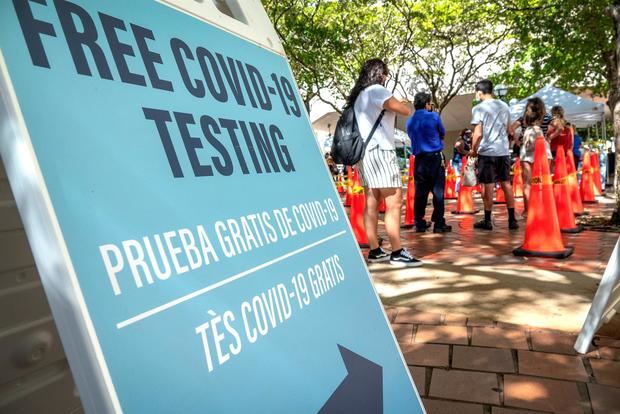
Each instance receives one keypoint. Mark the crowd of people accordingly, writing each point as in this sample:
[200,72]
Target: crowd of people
[492,139]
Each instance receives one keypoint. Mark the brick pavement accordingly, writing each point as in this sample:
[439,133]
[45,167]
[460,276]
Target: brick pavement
[474,274]
[459,368]
[485,332]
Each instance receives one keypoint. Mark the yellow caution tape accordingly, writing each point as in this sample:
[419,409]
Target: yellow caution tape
[544,180]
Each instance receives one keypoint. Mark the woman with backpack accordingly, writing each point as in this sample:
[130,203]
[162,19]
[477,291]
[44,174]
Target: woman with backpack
[379,171]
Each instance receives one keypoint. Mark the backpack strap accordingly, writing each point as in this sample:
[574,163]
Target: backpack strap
[372,131]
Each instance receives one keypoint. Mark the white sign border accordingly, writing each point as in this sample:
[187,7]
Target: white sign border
[51,256]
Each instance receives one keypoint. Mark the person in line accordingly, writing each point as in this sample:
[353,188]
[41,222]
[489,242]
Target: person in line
[427,133]
[576,146]
[519,123]
[331,165]
[490,143]
[462,146]
[533,119]
[379,169]
[559,132]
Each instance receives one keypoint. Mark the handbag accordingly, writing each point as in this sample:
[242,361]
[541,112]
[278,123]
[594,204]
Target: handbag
[470,178]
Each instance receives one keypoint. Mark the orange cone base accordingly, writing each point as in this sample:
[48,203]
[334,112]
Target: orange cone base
[465,212]
[450,198]
[363,245]
[577,229]
[561,254]
[590,202]
[585,213]
[499,202]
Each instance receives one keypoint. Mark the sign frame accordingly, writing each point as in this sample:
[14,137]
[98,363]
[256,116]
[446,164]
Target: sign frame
[605,303]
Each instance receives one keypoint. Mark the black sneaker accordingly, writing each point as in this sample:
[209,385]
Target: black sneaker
[404,259]
[513,225]
[378,255]
[444,228]
[422,227]
[483,225]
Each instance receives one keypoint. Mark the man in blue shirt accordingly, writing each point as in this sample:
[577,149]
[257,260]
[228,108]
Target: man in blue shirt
[576,146]
[427,132]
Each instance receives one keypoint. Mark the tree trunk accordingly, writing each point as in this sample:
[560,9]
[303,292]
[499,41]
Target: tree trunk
[613,75]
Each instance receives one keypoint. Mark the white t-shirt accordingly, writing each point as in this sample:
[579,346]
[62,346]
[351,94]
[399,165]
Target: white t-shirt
[368,106]
[494,116]
[531,134]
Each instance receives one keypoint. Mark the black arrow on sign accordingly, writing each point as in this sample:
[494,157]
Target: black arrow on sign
[361,391]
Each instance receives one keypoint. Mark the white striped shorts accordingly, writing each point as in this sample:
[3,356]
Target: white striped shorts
[379,169]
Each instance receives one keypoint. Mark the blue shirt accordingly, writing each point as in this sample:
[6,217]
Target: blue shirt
[577,146]
[426,132]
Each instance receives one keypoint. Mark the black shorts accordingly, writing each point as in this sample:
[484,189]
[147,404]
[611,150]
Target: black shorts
[493,169]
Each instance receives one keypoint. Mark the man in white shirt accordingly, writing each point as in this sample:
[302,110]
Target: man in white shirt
[490,143]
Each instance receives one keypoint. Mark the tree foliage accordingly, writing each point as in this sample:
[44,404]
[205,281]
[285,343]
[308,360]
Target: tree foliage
[327,42]
[569,42]
[439,46]
[451,44]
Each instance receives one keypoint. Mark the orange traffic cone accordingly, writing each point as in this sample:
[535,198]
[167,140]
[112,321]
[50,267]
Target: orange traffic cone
[575,197]
[356,214]
[542,231]
[350,179]
[450,189]
[517,180]
[409,219]
[596,165]
[340,186]
[561,191]
[500,197]
[587,181]
[465,202]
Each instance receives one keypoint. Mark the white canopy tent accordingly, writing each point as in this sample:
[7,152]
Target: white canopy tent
[580,111]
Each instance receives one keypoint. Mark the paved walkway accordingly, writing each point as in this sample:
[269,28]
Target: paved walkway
[463,366]
[486,332]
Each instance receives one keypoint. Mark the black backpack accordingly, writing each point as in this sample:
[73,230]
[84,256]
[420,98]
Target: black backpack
[348,145]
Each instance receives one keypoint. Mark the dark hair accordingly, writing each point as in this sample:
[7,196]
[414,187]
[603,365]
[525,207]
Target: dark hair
[464,132]
[421,99]
[372,73]
[557,110]
[485,86]
[534,111]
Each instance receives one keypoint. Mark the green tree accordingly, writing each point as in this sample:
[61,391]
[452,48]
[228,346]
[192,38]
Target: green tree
[328,41]
[572,42]
[451,44]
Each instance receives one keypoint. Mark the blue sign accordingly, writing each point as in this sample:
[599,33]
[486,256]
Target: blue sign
[211,253]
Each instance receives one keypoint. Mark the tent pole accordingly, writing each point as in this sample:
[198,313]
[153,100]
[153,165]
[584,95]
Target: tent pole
[596,131]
